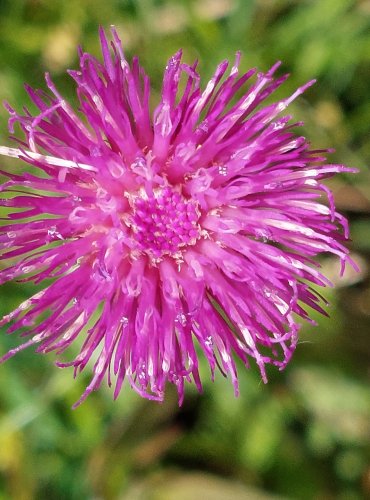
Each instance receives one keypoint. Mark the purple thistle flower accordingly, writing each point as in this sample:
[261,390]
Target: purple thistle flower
[194,230]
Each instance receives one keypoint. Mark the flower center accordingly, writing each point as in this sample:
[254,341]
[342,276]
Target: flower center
[164,222]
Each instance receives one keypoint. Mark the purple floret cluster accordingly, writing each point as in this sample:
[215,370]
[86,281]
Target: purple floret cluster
[189,231]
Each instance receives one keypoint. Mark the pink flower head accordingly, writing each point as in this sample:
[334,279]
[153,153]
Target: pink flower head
[191,231]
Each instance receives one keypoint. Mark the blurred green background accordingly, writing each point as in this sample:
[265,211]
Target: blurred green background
[306,435]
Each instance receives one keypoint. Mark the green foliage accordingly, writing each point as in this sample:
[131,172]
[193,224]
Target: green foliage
[306,434]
